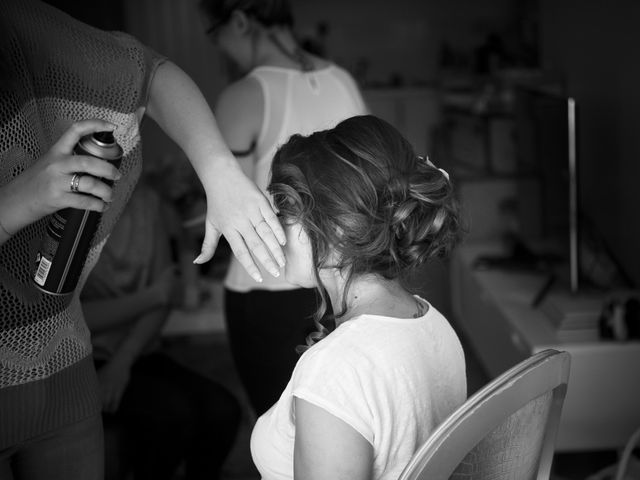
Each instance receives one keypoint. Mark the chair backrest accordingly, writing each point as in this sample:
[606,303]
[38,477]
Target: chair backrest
[506,430]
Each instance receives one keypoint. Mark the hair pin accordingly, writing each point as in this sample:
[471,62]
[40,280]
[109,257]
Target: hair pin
[430,163]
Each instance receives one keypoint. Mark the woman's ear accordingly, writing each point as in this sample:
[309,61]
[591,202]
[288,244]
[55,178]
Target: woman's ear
[240,22]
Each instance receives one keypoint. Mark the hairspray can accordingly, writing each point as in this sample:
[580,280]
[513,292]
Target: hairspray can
[69,232]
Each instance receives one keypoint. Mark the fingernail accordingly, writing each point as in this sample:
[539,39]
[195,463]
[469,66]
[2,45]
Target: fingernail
[274,272]
[118,175]
[281,260]
[198,259]
[257,277]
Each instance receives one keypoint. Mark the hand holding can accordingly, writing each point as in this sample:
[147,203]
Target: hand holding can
[69,232]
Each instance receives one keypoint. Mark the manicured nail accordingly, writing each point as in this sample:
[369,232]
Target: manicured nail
[281,260]
[256,277]
[198,259]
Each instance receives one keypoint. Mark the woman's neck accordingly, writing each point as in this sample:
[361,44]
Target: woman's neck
[278,48]
[373,295]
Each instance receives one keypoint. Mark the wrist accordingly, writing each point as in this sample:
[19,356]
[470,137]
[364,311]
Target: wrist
[16,211]
[8,215]
[4,233]
[218,167]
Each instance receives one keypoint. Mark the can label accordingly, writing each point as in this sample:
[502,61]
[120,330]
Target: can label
[49,247]
[69,232]
[65,267]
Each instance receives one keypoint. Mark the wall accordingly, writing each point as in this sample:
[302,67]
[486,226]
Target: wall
[402,37]
[594,45]
[174,28]
[104,14]
[403,40]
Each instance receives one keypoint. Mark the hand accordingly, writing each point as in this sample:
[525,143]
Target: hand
[237,209]
[45,186]
[113,378]
[235,206]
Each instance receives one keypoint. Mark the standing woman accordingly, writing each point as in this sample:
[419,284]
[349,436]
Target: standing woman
[59,80]
[284,91]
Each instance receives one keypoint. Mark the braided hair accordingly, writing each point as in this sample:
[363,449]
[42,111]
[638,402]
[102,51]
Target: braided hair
[368,203]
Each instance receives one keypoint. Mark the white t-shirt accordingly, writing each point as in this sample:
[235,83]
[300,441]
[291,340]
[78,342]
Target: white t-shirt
[294,102]
[393,380]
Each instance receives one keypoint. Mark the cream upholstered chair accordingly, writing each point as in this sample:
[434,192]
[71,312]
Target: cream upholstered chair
[505,431]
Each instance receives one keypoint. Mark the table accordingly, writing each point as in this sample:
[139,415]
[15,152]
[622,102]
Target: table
[493,309]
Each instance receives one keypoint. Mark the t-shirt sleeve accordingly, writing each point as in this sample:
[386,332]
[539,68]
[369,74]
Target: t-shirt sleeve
[146,61]
[335,379]
[61,57]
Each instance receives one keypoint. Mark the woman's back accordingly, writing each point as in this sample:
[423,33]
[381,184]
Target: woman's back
[295,102]
[391,379]
[301,102]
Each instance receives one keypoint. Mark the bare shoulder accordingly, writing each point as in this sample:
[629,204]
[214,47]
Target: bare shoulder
[239,110]
[319,63]
[244,94]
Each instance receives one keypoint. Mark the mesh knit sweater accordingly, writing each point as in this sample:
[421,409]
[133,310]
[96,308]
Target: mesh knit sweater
[54,71]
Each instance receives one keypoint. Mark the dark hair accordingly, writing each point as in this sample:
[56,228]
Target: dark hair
[361,190]
[267,12]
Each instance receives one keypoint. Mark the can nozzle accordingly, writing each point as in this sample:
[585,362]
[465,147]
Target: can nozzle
[104,138]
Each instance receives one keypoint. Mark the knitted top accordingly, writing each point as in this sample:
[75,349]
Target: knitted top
[54,71]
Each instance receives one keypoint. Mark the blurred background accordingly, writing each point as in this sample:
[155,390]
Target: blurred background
[414,56]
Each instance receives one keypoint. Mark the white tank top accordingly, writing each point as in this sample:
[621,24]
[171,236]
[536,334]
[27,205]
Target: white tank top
[294,102]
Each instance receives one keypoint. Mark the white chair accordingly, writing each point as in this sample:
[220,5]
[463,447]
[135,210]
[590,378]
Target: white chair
[505,431]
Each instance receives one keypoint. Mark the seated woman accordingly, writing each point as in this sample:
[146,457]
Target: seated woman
[360,210]
[165,413]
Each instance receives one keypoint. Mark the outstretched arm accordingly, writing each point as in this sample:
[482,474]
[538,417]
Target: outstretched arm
[235,206]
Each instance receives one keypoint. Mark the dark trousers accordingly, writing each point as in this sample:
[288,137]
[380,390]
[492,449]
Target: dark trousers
[73,452]
[264,329]
[170,415]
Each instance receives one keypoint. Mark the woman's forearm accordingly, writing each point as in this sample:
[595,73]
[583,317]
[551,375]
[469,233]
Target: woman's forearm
[236,208]
[177,105]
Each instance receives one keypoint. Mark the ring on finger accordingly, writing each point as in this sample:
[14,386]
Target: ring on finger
[75,182]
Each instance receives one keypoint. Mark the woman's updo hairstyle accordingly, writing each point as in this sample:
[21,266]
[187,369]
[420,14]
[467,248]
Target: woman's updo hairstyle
[360,190]
[267,12]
